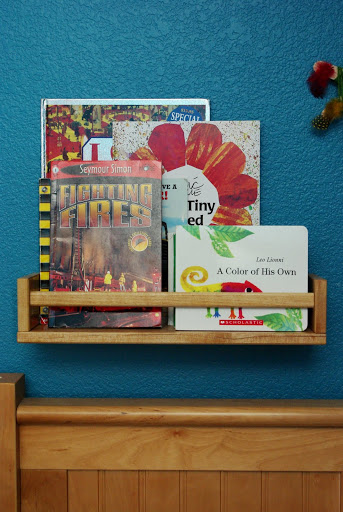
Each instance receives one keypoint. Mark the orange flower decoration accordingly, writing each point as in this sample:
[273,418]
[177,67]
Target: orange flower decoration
[222,164]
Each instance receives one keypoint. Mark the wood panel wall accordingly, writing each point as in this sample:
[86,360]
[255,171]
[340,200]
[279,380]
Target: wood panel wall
[71,455]
[179,491]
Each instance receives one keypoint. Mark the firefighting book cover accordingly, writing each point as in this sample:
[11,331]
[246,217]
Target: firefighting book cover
[105,236]
[81,129]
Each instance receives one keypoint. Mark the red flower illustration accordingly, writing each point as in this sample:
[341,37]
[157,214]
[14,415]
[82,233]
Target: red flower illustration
[221,163]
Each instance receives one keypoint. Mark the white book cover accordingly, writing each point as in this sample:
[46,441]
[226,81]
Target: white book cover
[174,203]
[252,259]
[219,159]
[174,213]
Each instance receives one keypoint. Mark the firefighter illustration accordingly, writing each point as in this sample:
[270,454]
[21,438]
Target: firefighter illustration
[122,282]
[107,281]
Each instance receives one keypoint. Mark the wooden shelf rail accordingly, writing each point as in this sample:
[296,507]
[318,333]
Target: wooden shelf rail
[30,298]
[173,299]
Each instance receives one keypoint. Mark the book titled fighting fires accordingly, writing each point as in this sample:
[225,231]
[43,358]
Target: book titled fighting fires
[105,236]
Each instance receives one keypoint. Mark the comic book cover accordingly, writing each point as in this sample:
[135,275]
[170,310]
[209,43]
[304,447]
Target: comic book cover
[81,129]
[219,159]
[253,259]
[105,236]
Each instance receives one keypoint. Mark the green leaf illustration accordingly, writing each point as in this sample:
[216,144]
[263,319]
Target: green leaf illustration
[193,230]
[278,322]
[295,315]
[220,247]
[229,233]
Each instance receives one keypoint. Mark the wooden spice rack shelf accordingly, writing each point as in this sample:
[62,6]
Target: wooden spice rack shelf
[30,331]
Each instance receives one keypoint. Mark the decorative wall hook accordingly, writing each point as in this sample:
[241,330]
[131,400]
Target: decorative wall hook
[318,82]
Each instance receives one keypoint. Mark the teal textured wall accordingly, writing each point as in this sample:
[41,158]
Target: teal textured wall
[251,58]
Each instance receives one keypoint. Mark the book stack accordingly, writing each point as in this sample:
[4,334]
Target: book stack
[151,195]
[102,230]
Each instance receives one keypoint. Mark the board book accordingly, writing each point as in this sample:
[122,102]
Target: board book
[256,259]
[105,236]
[219,159]
[81,129]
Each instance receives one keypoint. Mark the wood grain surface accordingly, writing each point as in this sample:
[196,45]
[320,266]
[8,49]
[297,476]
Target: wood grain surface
[12,389]
[161,491]
[168,336]
[181,412]
[181,448]
[202,491]
[184,491]
[322,492]
[174,299]
[119,491]
[317,315]
[44,491]
[83,491]
[241,491]
[28,315]
[282,492]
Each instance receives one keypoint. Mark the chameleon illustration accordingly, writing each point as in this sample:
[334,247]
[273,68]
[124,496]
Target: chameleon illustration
[197,275]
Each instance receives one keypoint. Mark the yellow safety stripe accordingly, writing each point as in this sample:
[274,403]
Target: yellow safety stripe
[44,207]
[46,189]
[44,224]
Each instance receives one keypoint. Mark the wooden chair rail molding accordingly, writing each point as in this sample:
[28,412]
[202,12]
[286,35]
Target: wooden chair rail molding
[29,300]
[109,455]
[181,412]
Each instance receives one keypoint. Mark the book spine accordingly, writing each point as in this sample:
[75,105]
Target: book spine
[44,241]
[43,117]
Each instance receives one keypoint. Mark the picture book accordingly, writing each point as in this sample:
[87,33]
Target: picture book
[219,159]
[81,129]
[105,236]
[174,213]
[256,259]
